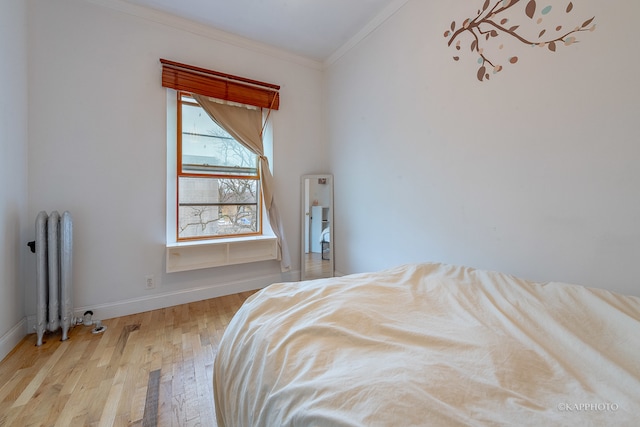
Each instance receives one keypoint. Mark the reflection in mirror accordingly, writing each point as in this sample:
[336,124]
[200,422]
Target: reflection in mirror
[317,227]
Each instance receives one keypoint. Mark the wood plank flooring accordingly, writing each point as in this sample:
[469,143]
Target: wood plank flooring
[315,266]
[147,369]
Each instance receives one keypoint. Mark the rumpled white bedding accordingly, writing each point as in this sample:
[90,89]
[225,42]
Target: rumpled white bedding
[325,236]
[430,345]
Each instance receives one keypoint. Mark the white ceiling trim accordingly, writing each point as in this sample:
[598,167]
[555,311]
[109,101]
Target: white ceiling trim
[378,20]
[188,25]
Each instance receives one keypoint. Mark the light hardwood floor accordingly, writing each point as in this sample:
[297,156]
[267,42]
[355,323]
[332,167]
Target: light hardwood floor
[316,266]
[152,368]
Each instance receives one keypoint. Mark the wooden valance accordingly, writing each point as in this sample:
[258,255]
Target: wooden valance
[219,85]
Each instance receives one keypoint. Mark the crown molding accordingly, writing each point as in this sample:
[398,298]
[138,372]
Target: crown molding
[190,26]
[377,21]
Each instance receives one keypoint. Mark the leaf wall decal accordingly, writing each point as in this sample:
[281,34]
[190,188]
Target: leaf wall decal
[587,22]
[490,22]
[481,72]
[530,10]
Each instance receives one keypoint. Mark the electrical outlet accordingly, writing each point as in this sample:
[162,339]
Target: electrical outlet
[150,282]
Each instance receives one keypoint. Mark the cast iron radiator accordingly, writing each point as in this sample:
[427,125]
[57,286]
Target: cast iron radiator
[54,285]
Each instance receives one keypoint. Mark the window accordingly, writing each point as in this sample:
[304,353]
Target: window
[217,191]
[218,179]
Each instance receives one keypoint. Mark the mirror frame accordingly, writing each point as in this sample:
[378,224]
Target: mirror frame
[304,275]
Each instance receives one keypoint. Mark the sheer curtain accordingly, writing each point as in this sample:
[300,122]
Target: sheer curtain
[245,125]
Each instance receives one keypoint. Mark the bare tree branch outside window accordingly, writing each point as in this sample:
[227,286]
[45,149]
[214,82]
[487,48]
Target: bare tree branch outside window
[219,194]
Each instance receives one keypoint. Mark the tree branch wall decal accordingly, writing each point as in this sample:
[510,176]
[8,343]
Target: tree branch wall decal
[492,26]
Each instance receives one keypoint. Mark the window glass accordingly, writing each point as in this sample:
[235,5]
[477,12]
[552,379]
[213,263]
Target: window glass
[207,148]
[218,182]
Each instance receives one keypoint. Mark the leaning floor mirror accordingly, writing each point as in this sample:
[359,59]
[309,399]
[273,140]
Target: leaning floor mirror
[317,227]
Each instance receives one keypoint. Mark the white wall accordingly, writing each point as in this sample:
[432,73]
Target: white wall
[320,193]
[97,127]
[13,170]
[534,172]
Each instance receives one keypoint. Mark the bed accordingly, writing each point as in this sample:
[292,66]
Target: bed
[430,344]
[325,240]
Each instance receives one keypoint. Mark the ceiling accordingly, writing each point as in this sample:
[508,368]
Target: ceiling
[311,28]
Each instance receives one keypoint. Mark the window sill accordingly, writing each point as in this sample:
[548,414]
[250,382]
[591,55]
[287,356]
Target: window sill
[185,256]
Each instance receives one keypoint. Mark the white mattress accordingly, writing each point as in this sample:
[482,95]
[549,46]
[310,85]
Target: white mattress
[325,236]
[431,345]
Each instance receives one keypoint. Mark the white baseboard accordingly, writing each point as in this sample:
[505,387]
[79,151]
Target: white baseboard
[11,339]
[169,299]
